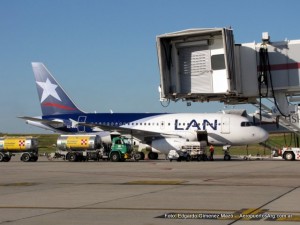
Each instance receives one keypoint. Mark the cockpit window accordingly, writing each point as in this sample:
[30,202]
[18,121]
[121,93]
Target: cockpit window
[246,124]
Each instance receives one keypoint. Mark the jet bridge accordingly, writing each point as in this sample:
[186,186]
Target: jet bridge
[196,64]
[202,65]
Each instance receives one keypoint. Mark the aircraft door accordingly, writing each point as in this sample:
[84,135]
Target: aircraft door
[202,136]
[225,125]
[81,119]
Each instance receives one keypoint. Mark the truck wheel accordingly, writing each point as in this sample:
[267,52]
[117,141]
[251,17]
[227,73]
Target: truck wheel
[289,156]
[115,157]
[72,157]
[153,155]
[142,155]
[25,157]
[139,156]
[6,158]
[1,156]
[34,158]
[188,158]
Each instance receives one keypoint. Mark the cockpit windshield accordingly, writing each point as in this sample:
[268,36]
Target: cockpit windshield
[246,124]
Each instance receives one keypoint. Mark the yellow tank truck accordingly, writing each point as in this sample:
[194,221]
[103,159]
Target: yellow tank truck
[27,147]
[77,148]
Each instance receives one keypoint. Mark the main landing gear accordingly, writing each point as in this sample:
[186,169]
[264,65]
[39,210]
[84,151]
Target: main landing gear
[227,156]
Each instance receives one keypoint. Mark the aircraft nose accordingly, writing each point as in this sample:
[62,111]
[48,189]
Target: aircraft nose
[262,135]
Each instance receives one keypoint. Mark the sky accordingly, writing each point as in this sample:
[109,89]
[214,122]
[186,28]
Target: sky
[103,52]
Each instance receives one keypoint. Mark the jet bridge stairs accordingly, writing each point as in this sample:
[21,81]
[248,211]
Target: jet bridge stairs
[282,121]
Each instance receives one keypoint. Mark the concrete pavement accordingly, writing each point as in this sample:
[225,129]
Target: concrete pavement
[150,192]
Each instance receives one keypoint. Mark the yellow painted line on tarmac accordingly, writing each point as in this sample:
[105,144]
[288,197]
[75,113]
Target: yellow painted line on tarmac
[252,214]
[287,217]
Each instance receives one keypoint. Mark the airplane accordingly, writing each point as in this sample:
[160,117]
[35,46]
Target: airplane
[161,132]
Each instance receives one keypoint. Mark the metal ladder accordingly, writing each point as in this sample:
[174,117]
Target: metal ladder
[283,121]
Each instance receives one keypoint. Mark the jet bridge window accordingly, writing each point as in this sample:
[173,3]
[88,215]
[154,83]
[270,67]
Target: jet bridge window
[218,62]
[246,124]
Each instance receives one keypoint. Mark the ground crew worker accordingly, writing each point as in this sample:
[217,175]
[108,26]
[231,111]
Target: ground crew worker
[212,151]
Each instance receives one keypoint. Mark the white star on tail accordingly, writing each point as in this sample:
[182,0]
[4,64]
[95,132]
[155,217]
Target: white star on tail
[48,89]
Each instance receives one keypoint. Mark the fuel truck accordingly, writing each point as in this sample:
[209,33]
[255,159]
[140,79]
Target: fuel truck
[26,147]
[77,148]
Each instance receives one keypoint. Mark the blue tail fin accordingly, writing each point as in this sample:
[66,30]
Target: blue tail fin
[52,97]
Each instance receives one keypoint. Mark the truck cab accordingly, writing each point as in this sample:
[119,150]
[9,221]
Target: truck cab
[121,149]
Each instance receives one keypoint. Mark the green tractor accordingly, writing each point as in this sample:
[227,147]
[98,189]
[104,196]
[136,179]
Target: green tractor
[122,150]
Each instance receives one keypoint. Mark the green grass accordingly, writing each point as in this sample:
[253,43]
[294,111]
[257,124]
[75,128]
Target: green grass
[47,144]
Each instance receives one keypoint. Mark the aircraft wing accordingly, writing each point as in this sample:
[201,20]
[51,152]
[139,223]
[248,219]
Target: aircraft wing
[140,134]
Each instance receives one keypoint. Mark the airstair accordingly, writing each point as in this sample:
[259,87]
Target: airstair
[282,120]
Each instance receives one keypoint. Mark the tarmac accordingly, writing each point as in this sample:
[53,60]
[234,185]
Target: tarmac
[150,192]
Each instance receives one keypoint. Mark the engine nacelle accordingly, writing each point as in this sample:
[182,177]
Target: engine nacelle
[164,145]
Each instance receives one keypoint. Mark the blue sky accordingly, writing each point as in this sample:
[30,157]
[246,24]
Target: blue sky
[103,52]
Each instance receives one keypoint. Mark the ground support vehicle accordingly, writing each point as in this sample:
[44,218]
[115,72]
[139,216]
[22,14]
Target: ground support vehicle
[89,147]
[26,147]
[190,151]
[290,153]
[122,149]
[77,148]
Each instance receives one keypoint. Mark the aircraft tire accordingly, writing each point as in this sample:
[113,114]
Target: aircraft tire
[227,157]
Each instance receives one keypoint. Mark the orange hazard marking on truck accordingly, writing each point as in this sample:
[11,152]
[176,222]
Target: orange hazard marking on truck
[21,143]
[83,141]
